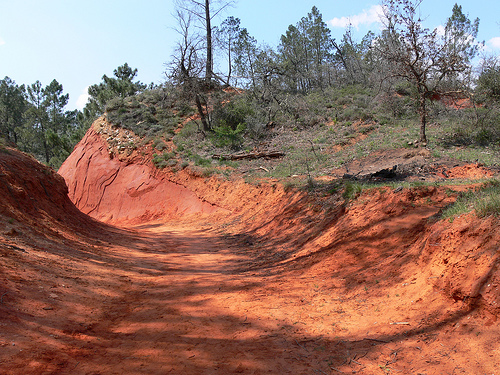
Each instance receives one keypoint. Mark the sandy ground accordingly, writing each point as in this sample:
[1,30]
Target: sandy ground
[284,283]
[169,299]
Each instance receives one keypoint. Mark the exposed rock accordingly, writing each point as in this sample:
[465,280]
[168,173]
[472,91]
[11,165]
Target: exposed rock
[387,164]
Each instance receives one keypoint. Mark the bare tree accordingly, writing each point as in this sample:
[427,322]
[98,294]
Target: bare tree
[205,11]
[228,35]
[186,63]
[422,57]
[187,66]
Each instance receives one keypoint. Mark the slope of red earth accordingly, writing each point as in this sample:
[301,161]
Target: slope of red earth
[210,276]
[123,191]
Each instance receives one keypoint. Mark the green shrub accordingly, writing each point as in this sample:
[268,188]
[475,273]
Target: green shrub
[225,135]
[166,159]
[188,130]
[479,127]
[200,161]
[159,145]
[488,83]
[232,114]
[184,110]
[146,114]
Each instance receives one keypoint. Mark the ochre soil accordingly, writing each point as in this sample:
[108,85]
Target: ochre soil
[244,279]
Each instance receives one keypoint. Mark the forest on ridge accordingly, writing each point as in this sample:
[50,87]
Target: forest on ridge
[402,75]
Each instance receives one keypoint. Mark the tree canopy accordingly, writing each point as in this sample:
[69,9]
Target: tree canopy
[423,57]
[404,58]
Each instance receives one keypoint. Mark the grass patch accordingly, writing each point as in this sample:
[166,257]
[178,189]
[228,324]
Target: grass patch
[352,190]
[485,201]
[199,160]
[167,159]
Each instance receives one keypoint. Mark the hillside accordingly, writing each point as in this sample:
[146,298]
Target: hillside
[318,206]
[207,274]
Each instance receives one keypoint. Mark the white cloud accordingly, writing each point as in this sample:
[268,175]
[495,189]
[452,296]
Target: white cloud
[367,17]
[82,99]
[440,30]
[494,42]
[2,42]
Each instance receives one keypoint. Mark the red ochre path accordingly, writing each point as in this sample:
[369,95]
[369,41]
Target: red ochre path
[183,274]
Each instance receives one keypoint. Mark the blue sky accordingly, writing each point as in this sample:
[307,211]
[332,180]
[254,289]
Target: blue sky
[76,42]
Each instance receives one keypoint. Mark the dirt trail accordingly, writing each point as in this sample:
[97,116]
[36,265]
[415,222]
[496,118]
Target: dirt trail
[268,282]
[161,299]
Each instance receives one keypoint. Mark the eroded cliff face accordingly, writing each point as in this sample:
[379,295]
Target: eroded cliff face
[124,191]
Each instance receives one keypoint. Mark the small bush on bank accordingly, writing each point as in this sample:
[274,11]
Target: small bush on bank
[232,114]
[159,145]
[485,201]
[225,136]
[352,190]
[164,160]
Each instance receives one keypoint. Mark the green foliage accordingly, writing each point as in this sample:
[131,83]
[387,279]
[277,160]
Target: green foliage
[355,58]
[348,103]
[304,51]
[188,130]
[47,130]
[229,121]
[425,59]
[352,190]
[232,114]
[245,56]
[485,201]
[487,129]
[488,83]
[120,86]
[35,119]
[227,136]
[354,113]
[228,36]
[392,106]
[460,36]
[12,108]
[200,161]
[474,127]
[319,88]
[147,114]
[159,145]
[167,159]
[184,110]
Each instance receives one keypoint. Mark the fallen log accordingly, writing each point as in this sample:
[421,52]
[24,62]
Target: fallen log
[250,155]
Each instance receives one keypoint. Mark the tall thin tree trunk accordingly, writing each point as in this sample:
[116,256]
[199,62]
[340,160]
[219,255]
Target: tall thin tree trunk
[209,66]
[423,118]
[204,121]
[230,63]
